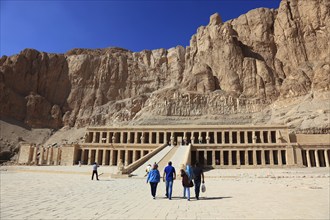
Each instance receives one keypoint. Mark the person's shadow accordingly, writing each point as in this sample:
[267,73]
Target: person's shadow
[200,198]
[214,198]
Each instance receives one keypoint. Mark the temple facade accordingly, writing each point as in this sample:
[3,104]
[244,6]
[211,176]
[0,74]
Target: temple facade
[213,146]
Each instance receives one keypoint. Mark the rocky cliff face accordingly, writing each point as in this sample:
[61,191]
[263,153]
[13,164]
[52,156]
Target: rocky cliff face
[246,70]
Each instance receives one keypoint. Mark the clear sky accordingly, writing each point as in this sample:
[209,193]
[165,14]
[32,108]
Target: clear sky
[58,26]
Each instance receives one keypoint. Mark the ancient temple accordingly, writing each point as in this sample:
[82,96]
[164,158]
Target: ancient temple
[232,146]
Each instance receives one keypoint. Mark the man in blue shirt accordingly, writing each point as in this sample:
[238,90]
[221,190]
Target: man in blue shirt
[169,175]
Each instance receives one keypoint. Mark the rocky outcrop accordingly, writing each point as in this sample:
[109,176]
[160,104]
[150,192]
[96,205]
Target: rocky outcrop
[241,69]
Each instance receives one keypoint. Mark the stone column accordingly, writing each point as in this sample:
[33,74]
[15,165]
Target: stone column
[150,137]
[41,158]
[261,136]
[108,137]
[230,159]
[269,137]
[279,157]
[142,138]
[308,158]
[207,137]
[111,158]
[94,137]
[134,156]
[135,137]
[185,139]
[230,137]
[121,138]
[50,156]
[157,138]
[57,155]
[97,156]
[82,159]
[205,157]
[326,158]
[47,155]
[104,156]
[271,157]
[223,137]
[238,158]
[35,154]
[215,135]
[172,139]
[254,158]
[254,137]
[126,157]
[213,158]
[246,155]
[119,157]
[238,136]
[89,157]
[263,159]
[222,158]
[317,162]
[192,138]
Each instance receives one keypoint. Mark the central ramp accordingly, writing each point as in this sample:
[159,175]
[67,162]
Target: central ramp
[180,158]
[179,155]
[141,171]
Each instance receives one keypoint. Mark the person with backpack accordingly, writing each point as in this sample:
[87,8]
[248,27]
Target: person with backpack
[187,176]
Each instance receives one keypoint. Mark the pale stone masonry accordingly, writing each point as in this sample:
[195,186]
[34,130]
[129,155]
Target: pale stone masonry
[213,146]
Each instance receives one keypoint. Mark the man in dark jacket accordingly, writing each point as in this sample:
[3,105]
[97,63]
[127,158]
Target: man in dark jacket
[198,178]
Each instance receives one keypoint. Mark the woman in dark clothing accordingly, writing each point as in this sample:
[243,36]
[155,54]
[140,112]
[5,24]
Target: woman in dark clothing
[186,183]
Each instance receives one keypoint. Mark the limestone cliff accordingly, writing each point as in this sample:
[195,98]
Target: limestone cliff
[246,70]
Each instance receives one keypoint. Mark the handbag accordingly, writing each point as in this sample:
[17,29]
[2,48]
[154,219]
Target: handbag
[203,188]
[191,184]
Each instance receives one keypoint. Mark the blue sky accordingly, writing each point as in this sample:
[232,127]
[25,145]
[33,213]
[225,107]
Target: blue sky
[58,26]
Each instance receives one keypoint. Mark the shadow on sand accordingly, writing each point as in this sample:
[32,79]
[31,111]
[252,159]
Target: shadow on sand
[200,198]
[213,198]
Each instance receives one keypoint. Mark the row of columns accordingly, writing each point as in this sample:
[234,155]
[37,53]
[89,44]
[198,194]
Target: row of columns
[240,157]
[319,155]
[110,156]
[45,155]
[194,137]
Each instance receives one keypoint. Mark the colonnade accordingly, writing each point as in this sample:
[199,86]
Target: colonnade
[178,137]
[40,155]
[240,157]
[111,157]
[315,157]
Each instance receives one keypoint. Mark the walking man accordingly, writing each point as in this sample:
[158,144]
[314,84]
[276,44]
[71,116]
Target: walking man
[95,166]
[198,178]
[169,176]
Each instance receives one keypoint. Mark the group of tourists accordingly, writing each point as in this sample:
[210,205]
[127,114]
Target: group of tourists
[190,177]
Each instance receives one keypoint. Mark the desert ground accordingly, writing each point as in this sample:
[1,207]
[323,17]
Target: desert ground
[59,192]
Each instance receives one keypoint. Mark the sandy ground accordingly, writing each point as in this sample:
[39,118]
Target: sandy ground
[69,193]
